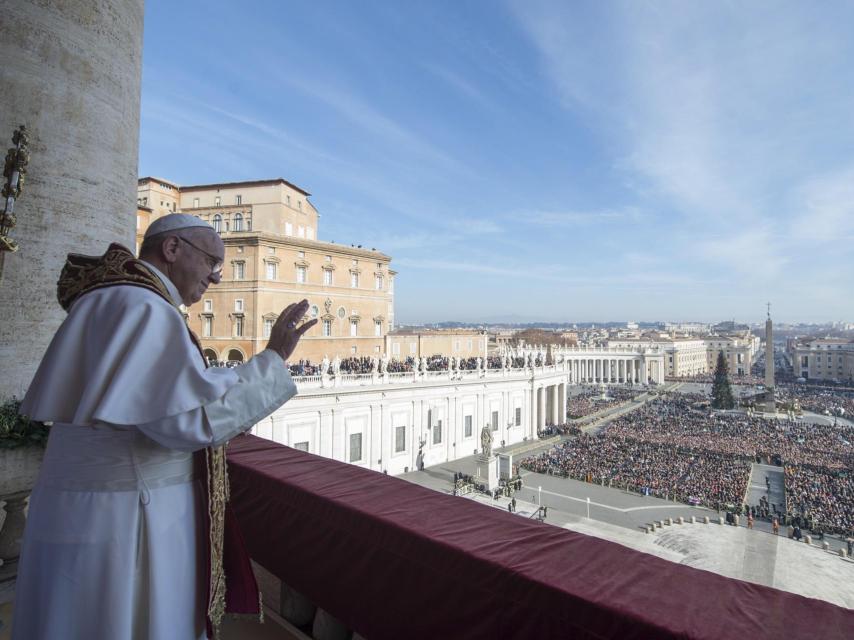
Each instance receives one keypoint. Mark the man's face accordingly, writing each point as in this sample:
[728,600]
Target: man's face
[192,270]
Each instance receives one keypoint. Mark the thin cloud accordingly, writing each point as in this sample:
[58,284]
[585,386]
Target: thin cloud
[581,218]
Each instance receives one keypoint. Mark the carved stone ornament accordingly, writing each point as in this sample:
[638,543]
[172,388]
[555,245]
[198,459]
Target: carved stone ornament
[327,304]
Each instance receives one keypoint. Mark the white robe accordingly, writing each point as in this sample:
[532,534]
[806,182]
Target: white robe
[113,547]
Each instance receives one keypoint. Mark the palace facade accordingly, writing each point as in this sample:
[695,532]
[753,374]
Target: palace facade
[823,358]
[272,258]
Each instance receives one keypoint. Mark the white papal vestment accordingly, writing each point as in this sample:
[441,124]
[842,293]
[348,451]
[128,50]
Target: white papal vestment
[114,543]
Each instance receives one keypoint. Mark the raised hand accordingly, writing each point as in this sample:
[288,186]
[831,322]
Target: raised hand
[285,333]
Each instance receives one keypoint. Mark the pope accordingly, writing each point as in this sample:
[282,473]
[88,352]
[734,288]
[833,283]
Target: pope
[129,533]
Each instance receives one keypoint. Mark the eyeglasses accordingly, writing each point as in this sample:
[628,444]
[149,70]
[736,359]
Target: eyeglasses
[214,262]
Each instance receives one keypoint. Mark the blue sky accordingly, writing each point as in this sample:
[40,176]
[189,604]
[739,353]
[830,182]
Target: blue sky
[567,161]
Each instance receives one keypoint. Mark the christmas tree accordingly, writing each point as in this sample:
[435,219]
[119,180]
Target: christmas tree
[721,391]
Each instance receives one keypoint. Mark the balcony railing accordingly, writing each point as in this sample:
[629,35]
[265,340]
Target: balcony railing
[389,559]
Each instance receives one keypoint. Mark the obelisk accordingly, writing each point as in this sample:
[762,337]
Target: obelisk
[769,364]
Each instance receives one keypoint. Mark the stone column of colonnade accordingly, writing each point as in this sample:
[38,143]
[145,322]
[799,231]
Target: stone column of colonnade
[556,404]
[71,74]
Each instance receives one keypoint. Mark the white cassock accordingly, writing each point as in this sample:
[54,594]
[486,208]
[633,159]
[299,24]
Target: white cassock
[114,545]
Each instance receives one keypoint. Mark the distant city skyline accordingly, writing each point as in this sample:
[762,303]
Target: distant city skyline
[538,159]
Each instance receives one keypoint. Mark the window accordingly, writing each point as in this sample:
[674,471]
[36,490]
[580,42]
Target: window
[217,223]
[238,327]
[299,205]
[207,326]
[378,282]
[354,279]
[238,305]
[495,421]
[238,222]
[195,203]
[355,447]
[353,350]
[238,199]
[208,306]
[327,277]
[354,327]
[301,254]
[378,328]
[467,429]
[289,200]
[309,233]
[217,201]
[518,416]
[399,439]
[300,231]
[268,327]
[301,275]
[412,347]
[327,328]
[289,229]
[342,312]
[271,271]
[301,446]
[271,251]
[249,224]
[437,432]
[239,270]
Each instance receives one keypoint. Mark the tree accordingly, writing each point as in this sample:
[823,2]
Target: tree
[721,390]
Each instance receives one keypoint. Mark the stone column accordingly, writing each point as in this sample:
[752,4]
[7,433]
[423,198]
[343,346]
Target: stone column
[643,372]
[561,390]
[541,408]
[71,73]
[13,527]
[556,417]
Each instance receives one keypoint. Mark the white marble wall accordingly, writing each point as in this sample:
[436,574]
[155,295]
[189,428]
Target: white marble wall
[324,419]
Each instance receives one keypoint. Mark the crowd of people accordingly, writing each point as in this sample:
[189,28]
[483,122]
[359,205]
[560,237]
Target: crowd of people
[709,378]
[591,400]
[564,429]
[822,400]
[675,447]
[367,364]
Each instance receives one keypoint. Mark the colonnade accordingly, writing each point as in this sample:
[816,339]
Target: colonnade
[549,404]
[615,370]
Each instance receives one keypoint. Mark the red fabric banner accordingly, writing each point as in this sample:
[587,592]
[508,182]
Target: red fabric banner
[395,560]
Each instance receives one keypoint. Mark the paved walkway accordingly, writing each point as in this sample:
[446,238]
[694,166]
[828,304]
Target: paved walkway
[773,490]
[735,552]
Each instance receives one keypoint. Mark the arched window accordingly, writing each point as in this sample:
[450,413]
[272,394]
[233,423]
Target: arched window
[238,222]
[249,224]
[217,223]
[235,355]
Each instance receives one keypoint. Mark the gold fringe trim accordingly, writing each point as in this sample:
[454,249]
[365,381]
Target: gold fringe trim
[259,617]
[217,498]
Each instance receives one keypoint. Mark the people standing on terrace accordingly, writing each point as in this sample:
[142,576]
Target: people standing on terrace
[129,522]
